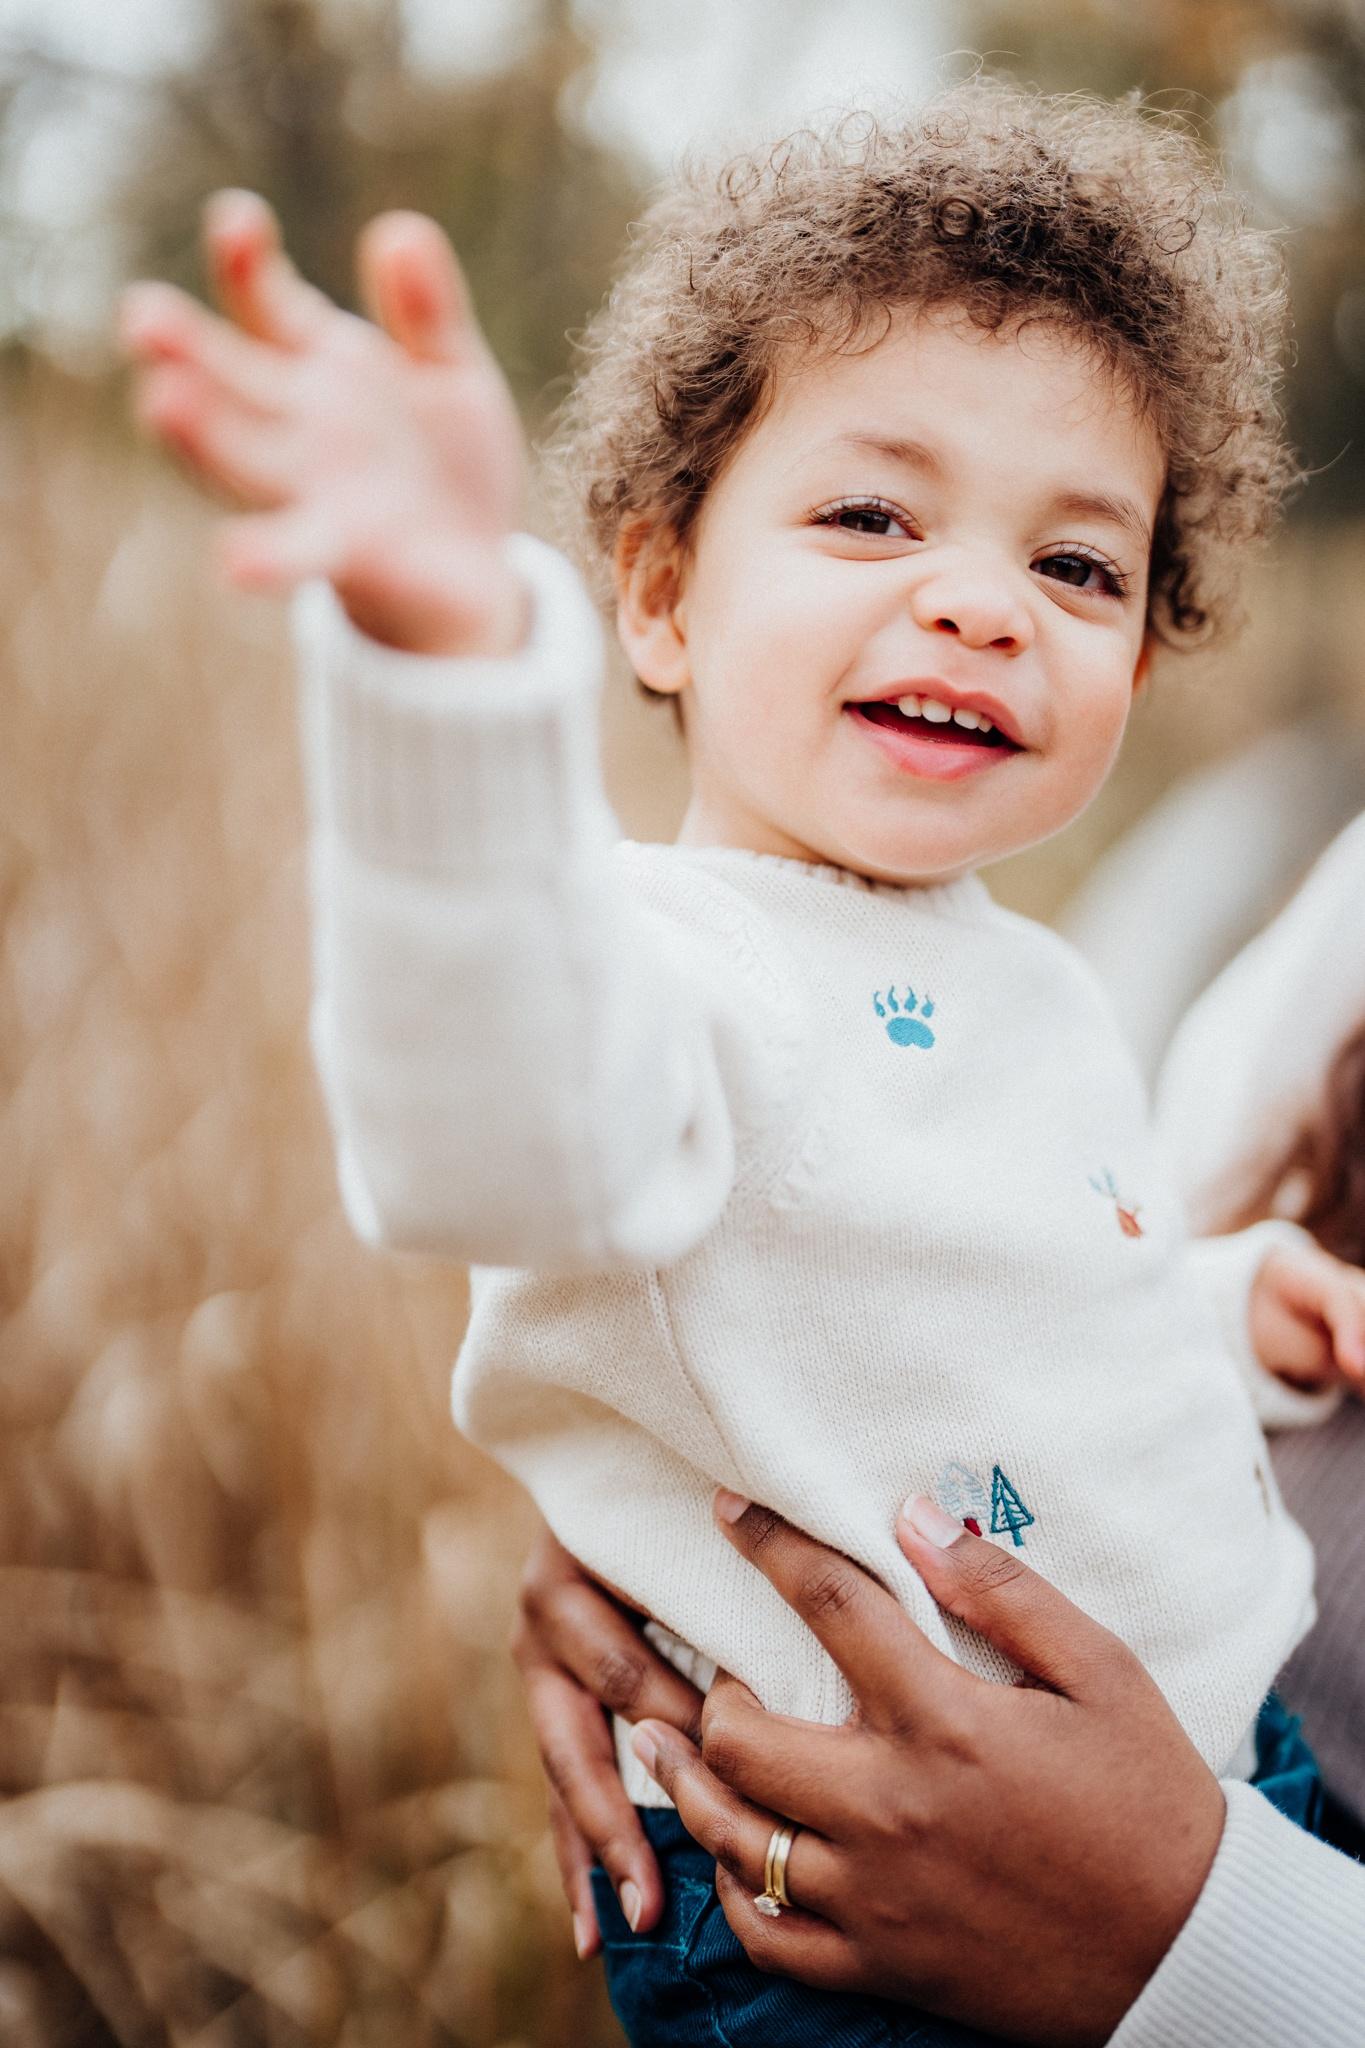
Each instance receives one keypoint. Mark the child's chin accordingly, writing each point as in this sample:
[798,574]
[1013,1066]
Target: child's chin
[916,862]
[943,846]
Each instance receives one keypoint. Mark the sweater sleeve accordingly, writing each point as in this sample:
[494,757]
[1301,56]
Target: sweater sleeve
[1246,1069]
[1273,1952]
[520,1059]
[1226,1268]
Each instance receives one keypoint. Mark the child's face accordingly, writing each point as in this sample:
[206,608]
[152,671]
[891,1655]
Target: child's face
[952,516]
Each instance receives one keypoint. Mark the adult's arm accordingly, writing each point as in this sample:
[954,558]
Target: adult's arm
[1245,1071]
[1051,1861]
[1273,1950]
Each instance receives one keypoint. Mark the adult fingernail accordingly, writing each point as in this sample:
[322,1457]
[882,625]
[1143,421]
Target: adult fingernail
[730,1506]
[647,1749]
[582,1937]
[929,1520]
[632,1905]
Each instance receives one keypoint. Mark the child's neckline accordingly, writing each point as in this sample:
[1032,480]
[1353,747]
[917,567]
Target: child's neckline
[968,888]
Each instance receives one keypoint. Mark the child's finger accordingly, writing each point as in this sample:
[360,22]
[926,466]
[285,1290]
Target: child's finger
[253,280]
[414,287]
[1344,1313]
[158,323]
[275,551]
[224,443]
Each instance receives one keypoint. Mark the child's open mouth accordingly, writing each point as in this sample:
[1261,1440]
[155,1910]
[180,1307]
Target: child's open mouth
[931,738]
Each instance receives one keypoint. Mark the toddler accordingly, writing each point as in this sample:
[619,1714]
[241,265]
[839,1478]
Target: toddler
[794,1164]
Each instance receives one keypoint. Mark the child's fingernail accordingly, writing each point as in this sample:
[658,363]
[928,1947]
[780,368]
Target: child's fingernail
[647,1749]
[632,1905]
[929,1520]
[582,1937]
[730,1506]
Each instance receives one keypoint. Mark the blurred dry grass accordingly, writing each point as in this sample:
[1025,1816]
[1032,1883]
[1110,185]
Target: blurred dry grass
[267,1775]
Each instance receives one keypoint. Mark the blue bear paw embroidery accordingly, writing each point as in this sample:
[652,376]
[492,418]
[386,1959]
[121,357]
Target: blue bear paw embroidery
[903,1027]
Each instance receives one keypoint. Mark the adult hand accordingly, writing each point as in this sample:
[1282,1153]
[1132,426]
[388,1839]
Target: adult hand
[1019,1858]
[579,1653]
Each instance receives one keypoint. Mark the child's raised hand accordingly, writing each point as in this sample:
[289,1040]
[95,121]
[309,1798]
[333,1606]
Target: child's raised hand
[1307,1319]
[387,458]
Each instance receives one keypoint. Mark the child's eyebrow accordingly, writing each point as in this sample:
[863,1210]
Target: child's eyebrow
[914,454]
[1074,504]
[1101,505]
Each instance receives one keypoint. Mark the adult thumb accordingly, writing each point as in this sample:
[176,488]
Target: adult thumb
[994,1592]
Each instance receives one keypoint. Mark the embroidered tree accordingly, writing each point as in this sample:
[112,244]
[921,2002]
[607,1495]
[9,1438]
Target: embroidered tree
[1009,1516]
[962,1492]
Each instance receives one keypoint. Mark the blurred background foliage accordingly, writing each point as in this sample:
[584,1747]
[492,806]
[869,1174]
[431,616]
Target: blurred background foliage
[267,1777]
[317,107]
[1280,86]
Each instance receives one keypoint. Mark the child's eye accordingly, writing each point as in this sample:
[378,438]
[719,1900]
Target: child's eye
[863,515]
[1093,574]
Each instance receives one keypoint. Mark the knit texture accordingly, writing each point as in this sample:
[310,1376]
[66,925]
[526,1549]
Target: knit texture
[918,1280]
[1244,1071]
[1246,1068]
[826,1190]
[1273,1952]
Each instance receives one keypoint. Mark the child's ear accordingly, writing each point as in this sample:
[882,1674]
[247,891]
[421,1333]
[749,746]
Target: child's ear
[648,571]
[1143,669]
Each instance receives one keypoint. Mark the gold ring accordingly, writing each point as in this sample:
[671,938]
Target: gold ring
[774,1895]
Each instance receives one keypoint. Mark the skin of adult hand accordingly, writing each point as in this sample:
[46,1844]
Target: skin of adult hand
[580,1653]
[1016,1857]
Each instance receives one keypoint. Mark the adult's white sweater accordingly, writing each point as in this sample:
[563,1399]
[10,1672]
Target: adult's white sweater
[825,1190]
[1274,1951]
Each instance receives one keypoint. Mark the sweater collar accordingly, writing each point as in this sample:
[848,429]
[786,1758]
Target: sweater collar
[964,890]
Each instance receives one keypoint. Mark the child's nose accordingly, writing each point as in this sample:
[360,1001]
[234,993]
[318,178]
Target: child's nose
[976,603]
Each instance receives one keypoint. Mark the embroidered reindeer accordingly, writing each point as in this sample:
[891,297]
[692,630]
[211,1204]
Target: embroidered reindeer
[1128,1217]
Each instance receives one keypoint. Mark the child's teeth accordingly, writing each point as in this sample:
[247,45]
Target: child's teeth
[912,706]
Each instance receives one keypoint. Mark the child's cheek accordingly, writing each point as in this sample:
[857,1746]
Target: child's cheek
[1076,766]
[1093,731]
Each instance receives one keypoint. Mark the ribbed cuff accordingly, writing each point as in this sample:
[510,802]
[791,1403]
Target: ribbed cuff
[432,765]
[1273,1952]
[1228,1267]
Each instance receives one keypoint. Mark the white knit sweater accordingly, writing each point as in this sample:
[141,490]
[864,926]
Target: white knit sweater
[826,1190]
[466,894]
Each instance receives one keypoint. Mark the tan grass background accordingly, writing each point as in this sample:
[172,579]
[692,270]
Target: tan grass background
[267,1775]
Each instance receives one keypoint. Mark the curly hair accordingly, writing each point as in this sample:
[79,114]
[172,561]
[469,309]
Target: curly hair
[1003,204]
